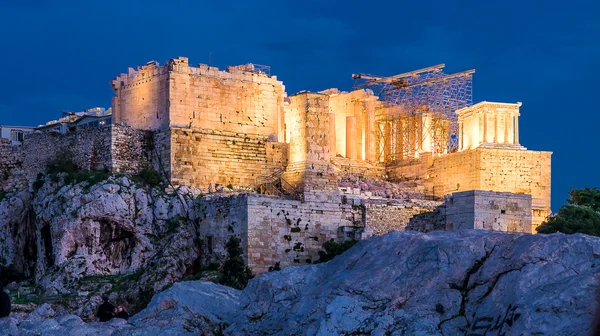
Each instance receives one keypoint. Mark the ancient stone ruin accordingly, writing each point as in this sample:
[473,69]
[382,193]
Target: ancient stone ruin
[287,173]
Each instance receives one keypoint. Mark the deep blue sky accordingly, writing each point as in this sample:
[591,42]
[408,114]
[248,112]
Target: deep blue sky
[61,55]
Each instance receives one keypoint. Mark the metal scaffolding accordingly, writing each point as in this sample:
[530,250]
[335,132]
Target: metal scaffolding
[417,112]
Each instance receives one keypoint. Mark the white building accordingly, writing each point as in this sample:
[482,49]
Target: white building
[91,118]
[15,134]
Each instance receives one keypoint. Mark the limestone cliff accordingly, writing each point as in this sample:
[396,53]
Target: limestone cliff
[95,234]
[402,283]
[17,233]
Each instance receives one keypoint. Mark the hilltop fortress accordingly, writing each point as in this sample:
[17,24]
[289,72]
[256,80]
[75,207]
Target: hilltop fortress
[286,173]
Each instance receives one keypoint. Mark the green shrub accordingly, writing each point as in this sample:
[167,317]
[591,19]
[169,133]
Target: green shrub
[2,196]
[581,215]
[62,163]
[276,267]
[150,177]
[235,271]
[174,222]
[572,219]
[92,177]
[333,249]
[38,183]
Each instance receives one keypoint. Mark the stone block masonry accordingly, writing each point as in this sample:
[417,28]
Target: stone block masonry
[179,95]
[292,232]
[200,157]
[496,169]
[485,210]
[273,230]
[385,215]
[220,218]
[113,148]
[11,160]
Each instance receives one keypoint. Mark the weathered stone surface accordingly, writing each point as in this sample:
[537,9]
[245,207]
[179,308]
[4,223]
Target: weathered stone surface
[178,311]
[112,227]
[402,283]
[82,239]
[452,282]
[17,233]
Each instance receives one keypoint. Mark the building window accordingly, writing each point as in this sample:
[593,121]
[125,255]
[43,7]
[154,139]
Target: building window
[17,135]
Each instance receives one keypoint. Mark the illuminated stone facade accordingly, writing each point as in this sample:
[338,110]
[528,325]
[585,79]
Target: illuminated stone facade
[238,127]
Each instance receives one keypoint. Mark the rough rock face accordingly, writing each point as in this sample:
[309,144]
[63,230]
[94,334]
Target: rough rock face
[402,283]
[98,234]
[17,233]
[112,227]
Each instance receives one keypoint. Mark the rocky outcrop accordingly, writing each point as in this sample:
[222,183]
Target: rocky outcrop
[17,233]
[402,283]
[90,233]
[111,227]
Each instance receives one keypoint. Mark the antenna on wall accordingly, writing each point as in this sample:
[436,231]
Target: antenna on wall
[209,58]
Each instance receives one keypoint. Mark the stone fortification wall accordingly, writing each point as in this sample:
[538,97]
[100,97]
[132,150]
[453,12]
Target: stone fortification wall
[498,169]
[485,210]
[239,99]
[130,150]
[11,161]
[384,215]
[200,157]
[410,169]
[141,97]
[113,148]
[89,149]
[307,124]
[234,100]
[220,218]
[350,168]
[292,232]
[273,230]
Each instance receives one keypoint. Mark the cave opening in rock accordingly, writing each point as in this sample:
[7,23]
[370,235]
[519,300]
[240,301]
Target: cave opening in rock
[117,243]
[47,240]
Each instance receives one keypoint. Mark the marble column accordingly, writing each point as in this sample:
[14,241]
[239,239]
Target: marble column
[516,122]
[495,127]
[332,136]
[485,133]
[461,136]
[387,149]
[370,131]
[505,128]
[351,137]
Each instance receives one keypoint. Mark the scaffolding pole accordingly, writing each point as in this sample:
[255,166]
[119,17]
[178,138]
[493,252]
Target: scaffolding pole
[418,110]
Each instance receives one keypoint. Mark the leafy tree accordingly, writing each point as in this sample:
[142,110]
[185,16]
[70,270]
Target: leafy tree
[585,197]
[235,271]
[333,249]
[581,215]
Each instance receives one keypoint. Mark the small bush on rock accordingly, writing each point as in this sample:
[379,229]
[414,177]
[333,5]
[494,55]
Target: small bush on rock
[38,183]
[235,271]
[333,249]
[62,163]
[276,267]
[150,177]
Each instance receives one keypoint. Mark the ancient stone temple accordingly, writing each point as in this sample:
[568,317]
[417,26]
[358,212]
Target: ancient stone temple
[238,127]
[287,173]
